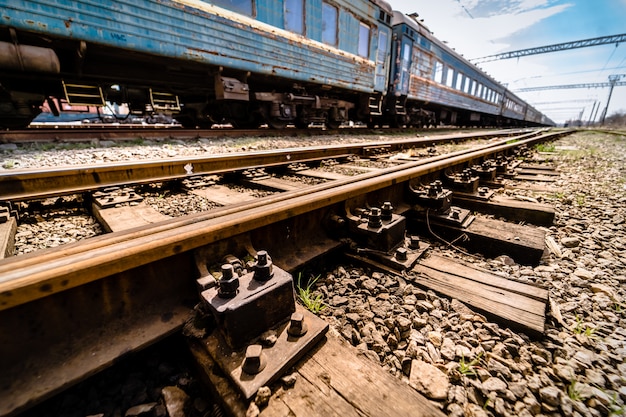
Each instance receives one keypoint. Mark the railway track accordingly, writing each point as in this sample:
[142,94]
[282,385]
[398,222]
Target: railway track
[86,134]
[75,309]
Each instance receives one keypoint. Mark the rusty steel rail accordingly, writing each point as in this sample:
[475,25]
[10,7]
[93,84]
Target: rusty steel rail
[47,182]
[73,310]
[125,133]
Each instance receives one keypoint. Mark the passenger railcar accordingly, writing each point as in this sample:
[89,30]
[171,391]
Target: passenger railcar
[243,61]
[432,84]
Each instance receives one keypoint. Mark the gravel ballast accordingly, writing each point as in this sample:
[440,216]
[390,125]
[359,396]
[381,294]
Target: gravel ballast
[459,359]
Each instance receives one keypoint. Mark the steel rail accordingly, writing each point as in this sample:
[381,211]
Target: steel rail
[22,277]
[124,133]
[72,310]
[31,184]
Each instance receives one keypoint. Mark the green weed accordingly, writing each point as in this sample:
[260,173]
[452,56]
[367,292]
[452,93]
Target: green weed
[574,392]
[469,368]
[545,147]
[586,331]
[314,303]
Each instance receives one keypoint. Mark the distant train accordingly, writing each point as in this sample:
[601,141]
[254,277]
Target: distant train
[244,62]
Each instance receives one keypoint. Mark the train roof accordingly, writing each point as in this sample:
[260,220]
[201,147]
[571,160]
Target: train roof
[383,5]
[399,18]
[419,27]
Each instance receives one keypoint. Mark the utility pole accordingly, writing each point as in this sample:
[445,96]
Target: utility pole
[613,79]
[591,114]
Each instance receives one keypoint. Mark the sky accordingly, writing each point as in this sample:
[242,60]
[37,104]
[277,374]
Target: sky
[478,28]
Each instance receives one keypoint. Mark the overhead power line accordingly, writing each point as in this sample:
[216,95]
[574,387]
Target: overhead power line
[603,40]
[569,86]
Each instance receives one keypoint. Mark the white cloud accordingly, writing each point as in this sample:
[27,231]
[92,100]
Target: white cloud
[479,36]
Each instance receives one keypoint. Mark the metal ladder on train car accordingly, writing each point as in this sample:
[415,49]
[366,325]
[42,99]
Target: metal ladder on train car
[83,95]
[375,105]
[164,101]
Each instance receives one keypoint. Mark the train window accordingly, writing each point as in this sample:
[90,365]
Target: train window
[294,16]
[239,6]
[329,24]
[450,77]
[479,90]
[468,85]
[381,57]
[438,72]
[364,40]
[459,81]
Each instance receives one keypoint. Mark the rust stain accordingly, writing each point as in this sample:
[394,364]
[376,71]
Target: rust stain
[68,23]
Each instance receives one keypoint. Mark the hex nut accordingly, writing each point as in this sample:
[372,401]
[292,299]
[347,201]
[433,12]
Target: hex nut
[401,254]
[229,283]
[254,361]
[297,325]
[264,268]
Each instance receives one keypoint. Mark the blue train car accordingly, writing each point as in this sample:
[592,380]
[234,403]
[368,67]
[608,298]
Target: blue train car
[243,61]
[432,84]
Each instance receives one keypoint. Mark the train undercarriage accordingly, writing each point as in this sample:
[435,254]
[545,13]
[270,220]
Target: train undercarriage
[195,95]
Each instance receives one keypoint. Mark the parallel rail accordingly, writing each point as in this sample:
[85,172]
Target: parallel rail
[46,182]
[125,133]
[75,309]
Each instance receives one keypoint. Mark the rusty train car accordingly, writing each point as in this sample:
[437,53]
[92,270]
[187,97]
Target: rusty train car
[244,62]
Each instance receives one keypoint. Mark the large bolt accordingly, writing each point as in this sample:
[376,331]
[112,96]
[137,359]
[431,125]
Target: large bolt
[401,254]
[254,361]
[229,283]
[297,326]
[264,269]
[374,219]
[414,241]
[386,212]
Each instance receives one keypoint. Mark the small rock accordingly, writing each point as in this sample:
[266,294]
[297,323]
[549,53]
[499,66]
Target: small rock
[429,380]
[140,410]
[550,395]
[494,384]
[253,410]
[474,410]
[175,400]
[435,338]
[263,396]
[290,380]
[570,242]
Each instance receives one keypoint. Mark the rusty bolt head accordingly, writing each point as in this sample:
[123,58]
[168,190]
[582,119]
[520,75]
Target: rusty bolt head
[401,254]
[374,220]
[254,361]
[297,326]
[386,212]
[455,213]
[263,269]
[483,190]
[414,242]
[229,283]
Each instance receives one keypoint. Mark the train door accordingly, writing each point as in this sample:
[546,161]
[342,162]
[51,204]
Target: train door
[382,58]
[402,64]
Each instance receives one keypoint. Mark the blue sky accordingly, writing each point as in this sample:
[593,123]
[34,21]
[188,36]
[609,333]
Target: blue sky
[477,28]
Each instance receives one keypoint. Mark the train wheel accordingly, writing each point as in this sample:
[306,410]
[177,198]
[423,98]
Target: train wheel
[17,114]
[247,124]
[276,123]
[301,124]
[333,124]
